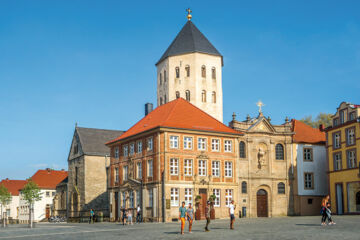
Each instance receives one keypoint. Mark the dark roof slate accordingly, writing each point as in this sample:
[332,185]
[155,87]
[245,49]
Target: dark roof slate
[189,40]
[93,140]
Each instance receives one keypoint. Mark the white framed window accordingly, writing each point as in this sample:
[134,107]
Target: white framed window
[350,136]
[202,144]
[125,150]
[132,148]
[123,199]
[139,170]
[215,166]
[174,142]
[151,197]
[174,166]
[336,140]
[116,175]
[202,167]
[351,158]
[309,180]
[216,192]
[125,173]
[228,196]
[188,167]
[228,169]
[139,147]
[188,196]
[188,142]
[228,146]
[131,198]
[337,161]
[150,168]
[150,144]
[174,197]
[116,153]
[215,145]
[308,152]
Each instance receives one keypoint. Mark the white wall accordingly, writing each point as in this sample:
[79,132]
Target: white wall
[318,166]
[39,206]
[13,207]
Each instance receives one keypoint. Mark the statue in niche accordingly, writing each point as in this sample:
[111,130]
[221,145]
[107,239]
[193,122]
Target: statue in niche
[261,158]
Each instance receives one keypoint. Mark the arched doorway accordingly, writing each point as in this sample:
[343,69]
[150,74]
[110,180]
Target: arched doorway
[357,200]
[262,203]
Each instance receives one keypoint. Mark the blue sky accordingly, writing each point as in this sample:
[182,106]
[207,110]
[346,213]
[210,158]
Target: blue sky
[92,62]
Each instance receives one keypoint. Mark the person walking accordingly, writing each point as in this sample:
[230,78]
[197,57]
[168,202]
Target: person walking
[182,216]
[123,215]
[232,208]
[190,216]
[129,217]
[207,216]
[138,214]
[326,212]
[323,211]
[92,213]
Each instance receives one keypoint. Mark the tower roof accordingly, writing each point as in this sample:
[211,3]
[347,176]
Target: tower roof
[180,114]
[189,40]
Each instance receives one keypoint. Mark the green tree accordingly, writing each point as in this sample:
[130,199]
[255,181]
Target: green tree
[5,199]
[31,193]
[322,118]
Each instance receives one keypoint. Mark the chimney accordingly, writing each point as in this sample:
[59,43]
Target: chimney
[321,127]
[148,108]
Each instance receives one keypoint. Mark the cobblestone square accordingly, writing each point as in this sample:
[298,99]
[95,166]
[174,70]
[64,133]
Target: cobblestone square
[347,227]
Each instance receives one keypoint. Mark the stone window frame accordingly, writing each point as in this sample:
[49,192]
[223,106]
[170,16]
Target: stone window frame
[150,144]
[187,70]
[185,142]
[126,153]
[187,168]
[174,166]
[281,188]
[352,116]
[333,139]
[131,199]
[139,146]
[229,194]
[227,145]
[347,136]
[217,193]
[199,144]
[177,72]
[228,169]
[213,73]
[306,180]
[151,197]
[132,149]
[125,172]
[116,152]
[171,142]
[116,173]
[242,149]
[187,95]
[347,158]
[311,154]
[215,168]
[203,96]
[213,96]
[139,170]
[334,161]
[201,168]
[218,144]
[188,196]
[279,155]
[203,71]
[174,197]
[244,187]
[150,168]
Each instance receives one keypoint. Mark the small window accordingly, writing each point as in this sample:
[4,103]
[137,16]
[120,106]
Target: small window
[48,194]
[213,73]
[279,149]
[281,188]
[187,69]
[132,148]
[188,142]
[202,168]
[337,162]
[174,197]
[116,152]
[53,194]
[177,93]
[174,166]
[165,99]
[150,168]
[202,144]
[187,95]
[150,144]
[174,141]
[228,169]
[177,72]
[139,170]
[203,96]
[342,117]
[188,196]
[165,76]
[228,196]
[351,158]
[336,122]
[216,192]
[308,154]
[116,175]
[131,199]
[161,101]
[244,187]
[310,201]
[76,149]
[215,145]
[213,96]
[336,140]
[309,181]
[125,151]
[350,136]
[203,71]
[188,167]
[125,173]
[228,145]
[151,197]
[139,147]
[352,116]
[160,79]
[242,149]
[215,168]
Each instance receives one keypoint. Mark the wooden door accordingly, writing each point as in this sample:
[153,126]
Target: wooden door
[116,206]
[262,203]
[47,212]
[203,194]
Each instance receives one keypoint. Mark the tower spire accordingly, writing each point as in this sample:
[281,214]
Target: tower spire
[189,15]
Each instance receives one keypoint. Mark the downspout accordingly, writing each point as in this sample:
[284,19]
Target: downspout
[163,176]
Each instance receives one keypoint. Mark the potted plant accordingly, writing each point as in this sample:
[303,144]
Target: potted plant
[198,210]
[212,203]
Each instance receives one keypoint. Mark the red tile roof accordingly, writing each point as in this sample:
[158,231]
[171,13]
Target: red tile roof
[306,134]
[178,113]
[13,186]
[48,179]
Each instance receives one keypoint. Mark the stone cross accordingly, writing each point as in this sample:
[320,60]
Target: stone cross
[260,104]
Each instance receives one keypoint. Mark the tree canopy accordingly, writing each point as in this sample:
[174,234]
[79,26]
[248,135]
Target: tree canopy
[322,118]
[31,192]
[5,195]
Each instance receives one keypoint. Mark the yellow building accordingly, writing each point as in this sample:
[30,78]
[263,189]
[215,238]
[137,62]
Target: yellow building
[343,152]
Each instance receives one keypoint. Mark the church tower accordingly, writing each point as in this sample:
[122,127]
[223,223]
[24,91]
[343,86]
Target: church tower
[191,68]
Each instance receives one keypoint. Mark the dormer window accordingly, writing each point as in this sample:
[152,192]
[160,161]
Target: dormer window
[203,71]
[177,72]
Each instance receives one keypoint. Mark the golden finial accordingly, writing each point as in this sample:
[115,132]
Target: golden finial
[189,15]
